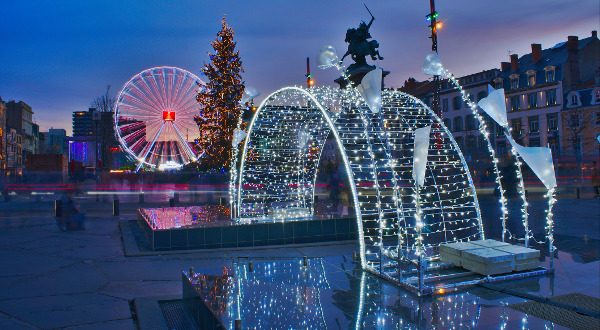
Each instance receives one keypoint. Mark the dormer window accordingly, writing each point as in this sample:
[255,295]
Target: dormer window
[549,73]
[530,78]
[573,100]
[514,81]
[596,95]
[498,83]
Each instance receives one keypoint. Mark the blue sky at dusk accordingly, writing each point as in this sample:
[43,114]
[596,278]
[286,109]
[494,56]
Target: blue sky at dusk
[58,55]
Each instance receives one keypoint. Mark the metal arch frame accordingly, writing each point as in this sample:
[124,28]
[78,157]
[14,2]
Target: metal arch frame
[459,152]
[342,150]
[120,95]
[462,159]
[398,95]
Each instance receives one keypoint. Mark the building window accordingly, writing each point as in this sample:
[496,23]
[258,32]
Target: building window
[514,81]
[514,103]
[501,147]
[532,98]
[574,120]
[530,78]
[481,95]
[457,103]
[471,143]
[458,124]
[499,130]
[445,105]
[516,126]
[459,141]
[551,97]
[549,74]
[498,83]
[552,121]
[471,123]
[447,124]
[534,141]
[534,124]
[597,118]
[573,99]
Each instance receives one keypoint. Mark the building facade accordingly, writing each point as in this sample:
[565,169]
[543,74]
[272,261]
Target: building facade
[19,116]
[93,138]
[2,137]
[551,100]
[54,142]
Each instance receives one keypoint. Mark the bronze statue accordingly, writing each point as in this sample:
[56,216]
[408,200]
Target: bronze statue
[359,47]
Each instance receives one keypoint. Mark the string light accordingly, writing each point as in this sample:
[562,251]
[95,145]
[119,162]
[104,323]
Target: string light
[276,177]
[486,136]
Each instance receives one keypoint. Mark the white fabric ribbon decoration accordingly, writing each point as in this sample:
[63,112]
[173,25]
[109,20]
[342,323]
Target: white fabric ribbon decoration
[238,136]
[421,150]
[539,160]
[433,65]
[495,106]
[370,89]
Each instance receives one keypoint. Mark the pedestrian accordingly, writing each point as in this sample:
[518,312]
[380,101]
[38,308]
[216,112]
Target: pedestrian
[596,179]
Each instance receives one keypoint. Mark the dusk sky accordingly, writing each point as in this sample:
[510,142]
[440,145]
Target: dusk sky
[58,55]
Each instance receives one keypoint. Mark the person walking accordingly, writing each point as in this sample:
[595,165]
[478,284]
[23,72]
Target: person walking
[596,179]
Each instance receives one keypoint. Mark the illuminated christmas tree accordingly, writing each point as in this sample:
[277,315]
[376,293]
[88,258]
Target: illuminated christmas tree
[219,101]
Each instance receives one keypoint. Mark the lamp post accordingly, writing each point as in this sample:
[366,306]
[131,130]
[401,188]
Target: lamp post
[435,100]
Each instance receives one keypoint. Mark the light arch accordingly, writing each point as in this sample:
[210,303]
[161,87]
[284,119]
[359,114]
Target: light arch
[377,156]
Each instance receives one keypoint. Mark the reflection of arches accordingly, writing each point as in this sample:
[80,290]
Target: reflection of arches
[281,154]
[384,306]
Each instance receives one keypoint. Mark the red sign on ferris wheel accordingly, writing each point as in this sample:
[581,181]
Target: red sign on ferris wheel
[169,115]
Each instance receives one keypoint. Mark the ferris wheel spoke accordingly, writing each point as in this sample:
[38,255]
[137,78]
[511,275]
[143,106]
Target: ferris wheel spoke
[182,92]
[151,93]
[136,105]
[143,159]
[170,88]
[185,144]
[158,89]
[143,95]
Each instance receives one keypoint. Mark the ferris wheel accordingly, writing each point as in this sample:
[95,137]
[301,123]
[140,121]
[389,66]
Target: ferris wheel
[154,117]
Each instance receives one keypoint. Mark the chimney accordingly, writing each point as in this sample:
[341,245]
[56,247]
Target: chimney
[505,66]
[572,43]
[514,62]
[536,52]
[572,72]
[594,34]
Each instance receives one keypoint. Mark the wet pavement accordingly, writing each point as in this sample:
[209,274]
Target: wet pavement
[82,279]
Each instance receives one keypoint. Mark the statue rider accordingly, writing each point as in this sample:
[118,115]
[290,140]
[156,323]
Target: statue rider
[359,46]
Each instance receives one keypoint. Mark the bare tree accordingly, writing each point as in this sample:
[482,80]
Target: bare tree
[104,103]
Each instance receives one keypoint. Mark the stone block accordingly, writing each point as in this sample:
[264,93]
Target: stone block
[452,252]
[487,268]
[488,256]
[527,265]
[520,252]
[490,243]
[487,261]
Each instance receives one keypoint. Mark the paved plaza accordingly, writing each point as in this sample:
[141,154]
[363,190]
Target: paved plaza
[83,280]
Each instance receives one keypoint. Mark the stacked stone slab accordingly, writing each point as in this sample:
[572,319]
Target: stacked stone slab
[524,258]
[488,261]
[453,252]
[489,257]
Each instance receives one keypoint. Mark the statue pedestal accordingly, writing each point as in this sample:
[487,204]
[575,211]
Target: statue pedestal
[356,75]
